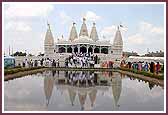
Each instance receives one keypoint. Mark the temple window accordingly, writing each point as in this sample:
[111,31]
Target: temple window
[69,50]
[61,50]
[96,50]
[104,50]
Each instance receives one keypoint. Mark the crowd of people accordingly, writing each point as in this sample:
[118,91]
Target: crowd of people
[107,64]
[40,63]
[81,60]
[74,60]
[143,66]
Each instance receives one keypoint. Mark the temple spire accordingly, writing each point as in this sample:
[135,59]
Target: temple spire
[48,25]
[118,38]
[118,27]
[9,50]
[93,34]
[73,33]
[83,31]
[48,42]
[84,19]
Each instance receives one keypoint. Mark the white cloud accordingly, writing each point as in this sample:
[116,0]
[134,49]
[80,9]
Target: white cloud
[147,36]
[26,9]
[91,16]
[17,27]
[147,27]
[157,30]
[136,39]
[110,31]
[64,17]
[146,33]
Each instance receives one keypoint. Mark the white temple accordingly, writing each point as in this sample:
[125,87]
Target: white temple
[85,43]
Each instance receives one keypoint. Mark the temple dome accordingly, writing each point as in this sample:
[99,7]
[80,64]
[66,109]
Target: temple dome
[83,40]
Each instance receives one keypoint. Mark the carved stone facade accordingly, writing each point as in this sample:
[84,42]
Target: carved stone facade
[49,43]
[84,43]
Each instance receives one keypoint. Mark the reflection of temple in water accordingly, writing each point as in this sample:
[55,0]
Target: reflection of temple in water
[48,86]
[116,88]
[79,90]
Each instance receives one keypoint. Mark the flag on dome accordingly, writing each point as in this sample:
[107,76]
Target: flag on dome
[121,25]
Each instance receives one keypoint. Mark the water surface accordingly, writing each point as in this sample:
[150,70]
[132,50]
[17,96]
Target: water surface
[60,91]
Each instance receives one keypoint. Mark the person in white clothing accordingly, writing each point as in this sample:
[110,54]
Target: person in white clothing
[38,63]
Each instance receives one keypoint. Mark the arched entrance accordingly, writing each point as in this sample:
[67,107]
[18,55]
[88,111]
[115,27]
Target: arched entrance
[96,50]
[69,50]
[90,50]
[61,50]
[104,50]
[76,50]
[83,49]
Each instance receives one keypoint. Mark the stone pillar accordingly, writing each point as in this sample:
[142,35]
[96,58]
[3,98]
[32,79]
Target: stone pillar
[66,49]
[109,50]
[78,48]
[93,49]
[100,49]
[72,49]
[58,49]
[87,47]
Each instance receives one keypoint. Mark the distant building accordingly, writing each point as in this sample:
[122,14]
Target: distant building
[127,54]
[155,54]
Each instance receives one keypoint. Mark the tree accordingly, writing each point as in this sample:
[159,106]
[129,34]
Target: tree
[19,54]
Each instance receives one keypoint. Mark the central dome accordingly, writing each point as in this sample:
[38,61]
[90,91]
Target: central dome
[83,39]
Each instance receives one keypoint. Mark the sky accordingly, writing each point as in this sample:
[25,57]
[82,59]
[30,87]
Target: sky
[25,24]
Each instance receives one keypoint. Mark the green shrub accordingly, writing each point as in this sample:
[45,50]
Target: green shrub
[16,70]
[148,74]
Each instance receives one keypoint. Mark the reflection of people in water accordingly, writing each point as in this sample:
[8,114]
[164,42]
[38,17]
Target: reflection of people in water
[151,85]
[66,74]
[82,78]
[110,73]
[53,73]
[58,73]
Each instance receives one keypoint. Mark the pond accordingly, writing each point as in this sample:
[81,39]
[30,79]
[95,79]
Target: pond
[81,91]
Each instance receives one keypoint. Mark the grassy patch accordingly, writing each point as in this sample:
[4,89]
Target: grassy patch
[19,69]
